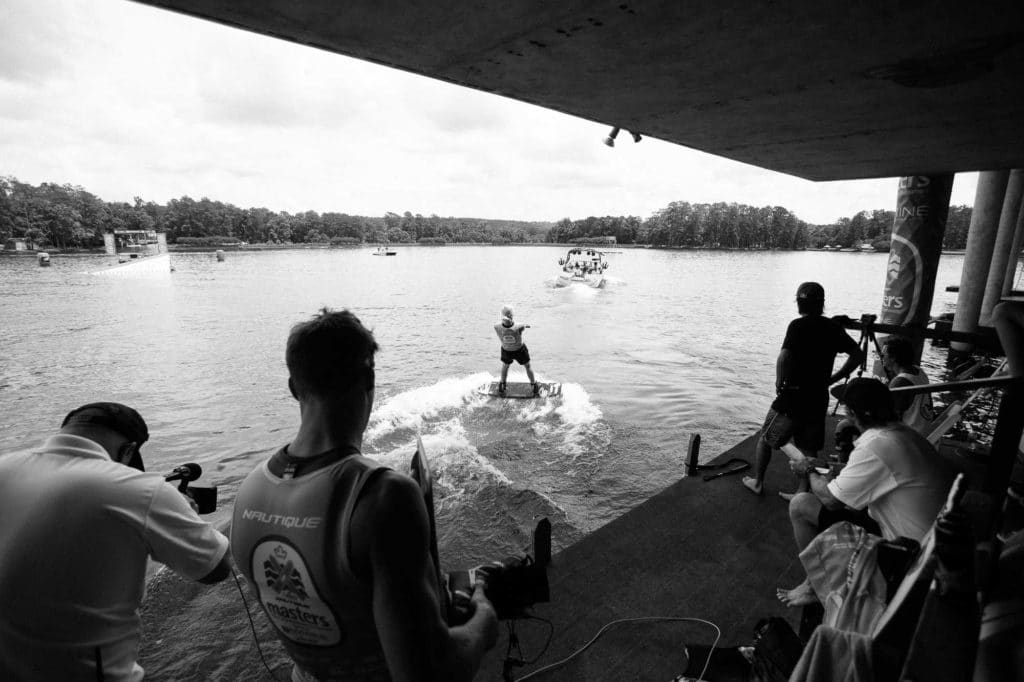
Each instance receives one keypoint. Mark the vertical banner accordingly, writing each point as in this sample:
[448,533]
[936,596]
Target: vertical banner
[922,207]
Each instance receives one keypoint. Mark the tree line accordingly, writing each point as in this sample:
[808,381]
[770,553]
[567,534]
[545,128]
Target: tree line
[69,217]
[739,226]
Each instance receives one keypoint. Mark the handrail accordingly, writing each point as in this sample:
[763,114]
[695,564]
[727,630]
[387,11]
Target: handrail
[965,385]
[985,336]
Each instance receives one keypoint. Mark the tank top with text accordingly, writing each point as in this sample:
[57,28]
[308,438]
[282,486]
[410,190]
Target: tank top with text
[290,537]
[511,337]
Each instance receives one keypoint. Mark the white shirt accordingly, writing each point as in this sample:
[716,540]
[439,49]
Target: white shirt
[76,529]
[897,474]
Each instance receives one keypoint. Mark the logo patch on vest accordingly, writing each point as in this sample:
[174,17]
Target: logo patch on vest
[289,596]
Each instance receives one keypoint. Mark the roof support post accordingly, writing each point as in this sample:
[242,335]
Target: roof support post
[981,237]
[1018,242]
[922,208]
[1001,249]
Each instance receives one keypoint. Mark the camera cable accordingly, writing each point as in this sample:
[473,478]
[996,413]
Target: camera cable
[252,625]
[513,642]
[642,619]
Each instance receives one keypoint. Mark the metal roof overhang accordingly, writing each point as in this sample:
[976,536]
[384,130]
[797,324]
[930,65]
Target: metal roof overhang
[819,90]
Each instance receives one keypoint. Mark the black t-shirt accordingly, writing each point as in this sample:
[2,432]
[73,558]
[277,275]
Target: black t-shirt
[813,342]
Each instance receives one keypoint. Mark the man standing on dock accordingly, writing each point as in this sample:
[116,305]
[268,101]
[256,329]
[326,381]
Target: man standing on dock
[80,519]
[803,373]
[336,546]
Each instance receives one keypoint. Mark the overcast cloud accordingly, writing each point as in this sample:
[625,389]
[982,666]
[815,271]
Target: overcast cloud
[128,100]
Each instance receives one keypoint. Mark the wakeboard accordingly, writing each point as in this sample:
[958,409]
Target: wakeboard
[522,389]
[420,470]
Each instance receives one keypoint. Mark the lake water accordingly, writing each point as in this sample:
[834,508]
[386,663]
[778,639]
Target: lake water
[677,343]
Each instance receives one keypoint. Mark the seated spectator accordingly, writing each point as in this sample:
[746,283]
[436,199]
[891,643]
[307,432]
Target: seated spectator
[894,474]
[915,410]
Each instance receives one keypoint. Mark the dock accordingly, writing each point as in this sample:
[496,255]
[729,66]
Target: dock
[698,549]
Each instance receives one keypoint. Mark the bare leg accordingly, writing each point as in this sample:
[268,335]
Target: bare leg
[504,377]
[803,514]
[762,457]
[529,373]
[803,483]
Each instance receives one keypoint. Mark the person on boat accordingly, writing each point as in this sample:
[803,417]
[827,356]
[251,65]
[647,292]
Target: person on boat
[894,475]
[513,348]
[337,546]
[81,518]
[916,410]
[803,373]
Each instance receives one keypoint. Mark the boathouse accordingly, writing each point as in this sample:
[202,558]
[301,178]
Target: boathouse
[916,91]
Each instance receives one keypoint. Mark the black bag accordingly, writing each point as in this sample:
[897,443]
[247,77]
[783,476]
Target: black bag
[776,651]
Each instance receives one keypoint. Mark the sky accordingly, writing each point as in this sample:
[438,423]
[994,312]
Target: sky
[127,100]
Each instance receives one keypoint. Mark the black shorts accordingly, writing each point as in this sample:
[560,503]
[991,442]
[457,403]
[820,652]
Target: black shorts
[827,517]
[778,429]
[522,356]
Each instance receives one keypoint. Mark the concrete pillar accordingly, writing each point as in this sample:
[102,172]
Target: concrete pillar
[1018,242]
[922,207]
[1002,246]
[108,244]
[981,237]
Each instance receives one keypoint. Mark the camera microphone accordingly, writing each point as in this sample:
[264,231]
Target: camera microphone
[186,473]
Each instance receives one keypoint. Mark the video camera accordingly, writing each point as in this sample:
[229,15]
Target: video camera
[512,585]
[205,497]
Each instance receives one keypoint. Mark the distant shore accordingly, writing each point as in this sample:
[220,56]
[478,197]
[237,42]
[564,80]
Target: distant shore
[176,248]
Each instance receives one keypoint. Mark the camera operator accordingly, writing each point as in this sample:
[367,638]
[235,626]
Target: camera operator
[338,547]
[80,518]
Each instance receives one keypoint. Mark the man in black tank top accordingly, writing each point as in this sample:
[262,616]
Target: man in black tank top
[338,547]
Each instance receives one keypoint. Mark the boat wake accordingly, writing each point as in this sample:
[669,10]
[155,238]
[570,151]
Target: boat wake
[499,465]
[504,450]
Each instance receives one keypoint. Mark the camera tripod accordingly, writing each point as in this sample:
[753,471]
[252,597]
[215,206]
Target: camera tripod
[866,340]
[867,337]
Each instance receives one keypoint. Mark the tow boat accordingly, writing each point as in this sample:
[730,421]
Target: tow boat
[582,266]
[385,251]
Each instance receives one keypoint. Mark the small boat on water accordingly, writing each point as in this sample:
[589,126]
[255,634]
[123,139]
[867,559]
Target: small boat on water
[582,266]
[140,254]
[385,251]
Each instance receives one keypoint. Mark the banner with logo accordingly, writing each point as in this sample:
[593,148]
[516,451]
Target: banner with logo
[922,207]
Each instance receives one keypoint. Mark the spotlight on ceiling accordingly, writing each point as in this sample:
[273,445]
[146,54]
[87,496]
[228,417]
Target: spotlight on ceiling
[610,140]
[636,137]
